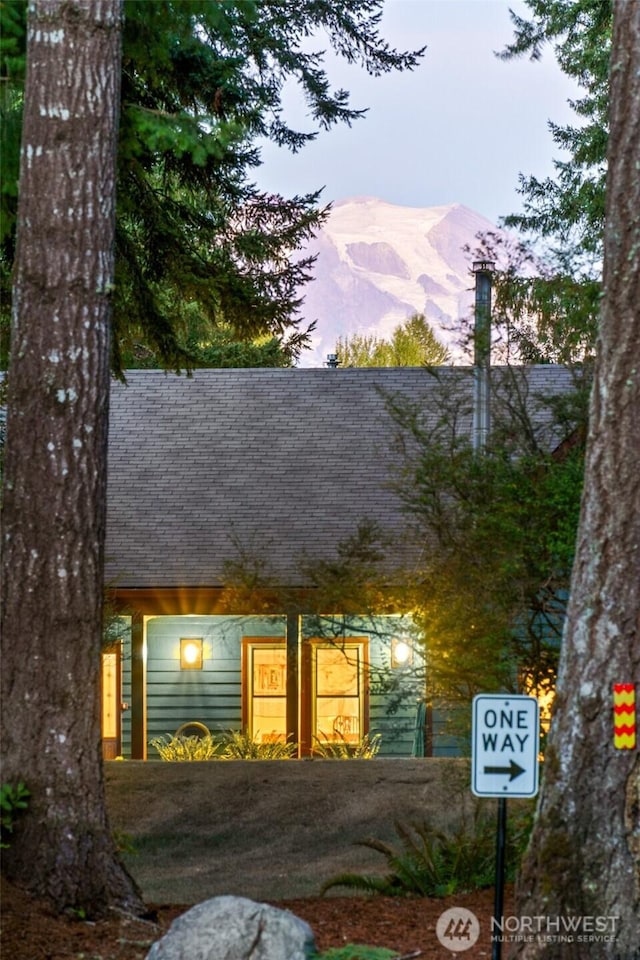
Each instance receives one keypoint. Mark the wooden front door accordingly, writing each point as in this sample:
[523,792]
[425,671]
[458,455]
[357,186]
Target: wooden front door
[111,688]
[264,693]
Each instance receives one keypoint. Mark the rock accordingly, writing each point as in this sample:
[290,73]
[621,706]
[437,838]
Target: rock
[234,928]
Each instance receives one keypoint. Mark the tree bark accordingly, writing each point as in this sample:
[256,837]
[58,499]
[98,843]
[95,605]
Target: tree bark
[584,855]
[55,471]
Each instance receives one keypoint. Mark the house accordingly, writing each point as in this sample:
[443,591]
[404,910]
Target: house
[226,490]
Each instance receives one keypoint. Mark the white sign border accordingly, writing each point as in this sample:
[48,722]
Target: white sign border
[474,747]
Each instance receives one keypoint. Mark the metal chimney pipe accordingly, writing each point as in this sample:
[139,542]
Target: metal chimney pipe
[483,270]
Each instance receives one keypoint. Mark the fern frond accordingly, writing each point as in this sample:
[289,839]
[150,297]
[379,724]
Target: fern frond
[378,845]
[355,881]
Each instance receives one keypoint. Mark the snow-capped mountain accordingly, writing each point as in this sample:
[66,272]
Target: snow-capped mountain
[379,263]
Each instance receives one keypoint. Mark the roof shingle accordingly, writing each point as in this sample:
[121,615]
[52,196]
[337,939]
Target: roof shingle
[282,462]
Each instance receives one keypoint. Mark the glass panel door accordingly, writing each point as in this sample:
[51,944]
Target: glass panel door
[338,702]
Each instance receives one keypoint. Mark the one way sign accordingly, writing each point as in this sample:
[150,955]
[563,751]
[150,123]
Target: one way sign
[506,736]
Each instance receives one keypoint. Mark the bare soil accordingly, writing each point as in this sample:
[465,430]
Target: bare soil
[269,831]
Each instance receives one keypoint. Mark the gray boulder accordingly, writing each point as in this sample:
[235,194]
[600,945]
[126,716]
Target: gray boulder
[234,928]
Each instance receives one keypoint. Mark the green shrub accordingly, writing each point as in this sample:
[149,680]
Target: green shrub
[366,749]
[124,842]
[431,863]
[12,801]
[355,951]
[231,745]
[187,748]
[241,745]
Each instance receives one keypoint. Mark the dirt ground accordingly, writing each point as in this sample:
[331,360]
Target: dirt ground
[31,932]
[269,831]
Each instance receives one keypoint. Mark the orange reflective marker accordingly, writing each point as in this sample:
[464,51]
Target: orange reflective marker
[624,716]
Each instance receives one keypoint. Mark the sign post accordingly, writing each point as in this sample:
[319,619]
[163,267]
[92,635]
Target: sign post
[504,763]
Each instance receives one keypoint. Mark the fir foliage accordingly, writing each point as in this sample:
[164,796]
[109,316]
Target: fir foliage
[198,247]
[570,207]
[541,312]
[554,298]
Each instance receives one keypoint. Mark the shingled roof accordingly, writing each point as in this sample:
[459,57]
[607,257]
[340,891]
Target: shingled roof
[281,463]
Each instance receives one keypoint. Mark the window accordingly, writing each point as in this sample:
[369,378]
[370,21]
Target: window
[111,683]
[338,709]
[333,691]
[265,690]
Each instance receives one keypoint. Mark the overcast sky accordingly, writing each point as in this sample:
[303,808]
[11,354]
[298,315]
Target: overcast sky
[458,129]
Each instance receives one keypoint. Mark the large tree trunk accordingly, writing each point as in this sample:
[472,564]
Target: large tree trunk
[584,856]
[55,472]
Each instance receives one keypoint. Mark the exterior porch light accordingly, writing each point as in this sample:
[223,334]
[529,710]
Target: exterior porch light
[401,653]
[191,653]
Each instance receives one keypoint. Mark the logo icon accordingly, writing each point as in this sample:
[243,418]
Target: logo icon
[457,929]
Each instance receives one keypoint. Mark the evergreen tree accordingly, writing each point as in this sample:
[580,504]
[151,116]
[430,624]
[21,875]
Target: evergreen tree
[499,531]
[585,848]
[569,209]
[553,305]
[201,83]
[55,479]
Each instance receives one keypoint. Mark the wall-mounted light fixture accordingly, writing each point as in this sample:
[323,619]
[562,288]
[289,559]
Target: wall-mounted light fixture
[191,653]
[401,653]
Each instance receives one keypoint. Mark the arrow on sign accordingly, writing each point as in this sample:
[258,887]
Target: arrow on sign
[514,770]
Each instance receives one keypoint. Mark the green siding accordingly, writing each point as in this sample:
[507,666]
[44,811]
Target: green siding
[392,715]
[213,695]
